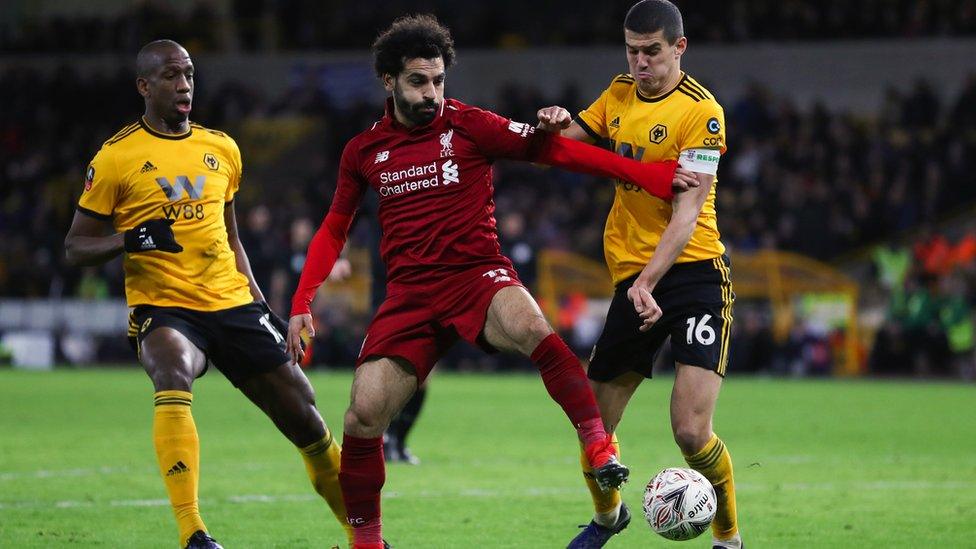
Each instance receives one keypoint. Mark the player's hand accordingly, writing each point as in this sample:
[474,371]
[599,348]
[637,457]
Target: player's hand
[645,305]
[684,180]
[340,271]
[554,119]
[294,345]
[155,234]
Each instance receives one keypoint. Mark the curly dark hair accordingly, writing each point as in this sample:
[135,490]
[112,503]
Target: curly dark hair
[410,37]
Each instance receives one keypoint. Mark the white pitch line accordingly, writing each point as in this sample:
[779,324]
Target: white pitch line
[483,493]
[62,473]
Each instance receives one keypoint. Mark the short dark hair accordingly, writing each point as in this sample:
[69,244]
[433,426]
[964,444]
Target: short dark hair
[650,16]
[411,37]
[148,57]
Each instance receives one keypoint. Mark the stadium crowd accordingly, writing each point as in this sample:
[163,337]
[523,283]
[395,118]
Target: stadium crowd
[822,183]
[264,25]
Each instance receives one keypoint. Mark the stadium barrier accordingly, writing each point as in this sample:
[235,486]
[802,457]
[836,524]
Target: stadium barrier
[573,288]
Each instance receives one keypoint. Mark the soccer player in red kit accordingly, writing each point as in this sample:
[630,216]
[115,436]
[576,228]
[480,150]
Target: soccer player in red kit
[430,160]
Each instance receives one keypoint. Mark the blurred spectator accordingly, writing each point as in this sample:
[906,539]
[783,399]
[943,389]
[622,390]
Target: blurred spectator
[891,262]
[956,318]
[779,189]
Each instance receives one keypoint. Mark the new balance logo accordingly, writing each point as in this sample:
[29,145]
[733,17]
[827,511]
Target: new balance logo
[147,167]
[615,123]
[177,469]
[450,172]
[382,157]
[498,275]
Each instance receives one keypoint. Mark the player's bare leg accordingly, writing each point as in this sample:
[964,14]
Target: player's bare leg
[612,397]
[173,362]
[287,397]
[380,388]
[693,402]
[515,323]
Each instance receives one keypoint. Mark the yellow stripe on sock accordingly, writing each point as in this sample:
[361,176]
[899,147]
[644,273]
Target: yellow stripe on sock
[177,448]
[714,462]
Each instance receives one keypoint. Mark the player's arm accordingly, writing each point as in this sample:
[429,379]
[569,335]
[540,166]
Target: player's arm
[325,247]
[244,267]
[90,239]
[557,120]
[90,242]
[240,255]
[685,210]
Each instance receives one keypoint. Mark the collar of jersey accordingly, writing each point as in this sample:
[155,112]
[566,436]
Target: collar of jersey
[661,97]
[392,122]
[145,125]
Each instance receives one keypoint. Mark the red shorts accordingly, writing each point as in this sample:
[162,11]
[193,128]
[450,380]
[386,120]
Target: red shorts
[420,322]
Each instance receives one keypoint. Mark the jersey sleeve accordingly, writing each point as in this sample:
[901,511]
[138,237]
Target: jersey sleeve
[593,120]
[236,171]
[704,128]
[351,185]
[499,137]
[103,187]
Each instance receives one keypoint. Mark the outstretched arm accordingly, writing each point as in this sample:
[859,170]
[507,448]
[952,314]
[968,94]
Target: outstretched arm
[654,177]
[557,120]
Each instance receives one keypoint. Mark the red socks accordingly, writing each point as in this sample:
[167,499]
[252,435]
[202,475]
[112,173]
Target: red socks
[567,385]
[362,475]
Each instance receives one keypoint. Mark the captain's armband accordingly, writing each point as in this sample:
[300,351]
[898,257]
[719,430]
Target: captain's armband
[700,160]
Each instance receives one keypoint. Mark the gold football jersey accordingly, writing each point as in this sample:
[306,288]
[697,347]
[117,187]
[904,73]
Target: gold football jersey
[651,129]
[141,174]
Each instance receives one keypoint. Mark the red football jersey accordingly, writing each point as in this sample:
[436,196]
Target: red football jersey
[434,183]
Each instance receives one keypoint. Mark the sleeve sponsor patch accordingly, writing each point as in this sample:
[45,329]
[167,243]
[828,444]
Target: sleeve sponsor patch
[713,126]
[700,160]
[89,177]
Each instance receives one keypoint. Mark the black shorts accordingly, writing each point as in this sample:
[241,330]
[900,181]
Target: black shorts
[240,341]
[696,302]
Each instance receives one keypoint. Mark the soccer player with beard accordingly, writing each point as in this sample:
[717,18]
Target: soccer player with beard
[669,266]
[161,192]
[430,161]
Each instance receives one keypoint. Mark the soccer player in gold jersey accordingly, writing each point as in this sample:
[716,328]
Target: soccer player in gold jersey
[161,192]
[667,262]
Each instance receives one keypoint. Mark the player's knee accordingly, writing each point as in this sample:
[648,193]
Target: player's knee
[170,373]
[361,421]
[532,330]
[691,436]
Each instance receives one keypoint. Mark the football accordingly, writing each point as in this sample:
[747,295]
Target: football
[679,504]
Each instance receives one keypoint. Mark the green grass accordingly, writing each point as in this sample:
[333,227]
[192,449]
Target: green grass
[818,464]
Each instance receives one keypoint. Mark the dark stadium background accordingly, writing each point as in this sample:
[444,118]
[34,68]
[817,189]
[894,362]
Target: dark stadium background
[851,131]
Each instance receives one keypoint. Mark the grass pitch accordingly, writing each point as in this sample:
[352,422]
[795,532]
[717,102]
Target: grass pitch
[818,464]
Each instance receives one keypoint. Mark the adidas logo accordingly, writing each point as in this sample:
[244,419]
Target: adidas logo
[148,243]
[177,469]
[147,167]
[615,123]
